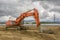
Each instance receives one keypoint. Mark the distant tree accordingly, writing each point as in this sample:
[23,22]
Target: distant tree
[33,22]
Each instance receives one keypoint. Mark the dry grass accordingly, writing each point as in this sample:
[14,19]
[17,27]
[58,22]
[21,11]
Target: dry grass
[13,34]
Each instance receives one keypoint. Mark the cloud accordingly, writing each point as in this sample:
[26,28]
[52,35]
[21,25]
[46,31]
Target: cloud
[16,7]
[41,10]
[5,18]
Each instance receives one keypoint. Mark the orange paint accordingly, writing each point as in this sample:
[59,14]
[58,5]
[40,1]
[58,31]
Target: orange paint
[23,15]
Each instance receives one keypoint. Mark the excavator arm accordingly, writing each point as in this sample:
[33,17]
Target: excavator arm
[24,15]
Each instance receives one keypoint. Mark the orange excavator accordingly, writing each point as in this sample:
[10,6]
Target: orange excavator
[19,19]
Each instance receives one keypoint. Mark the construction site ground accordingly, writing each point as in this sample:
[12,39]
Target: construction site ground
[14,34]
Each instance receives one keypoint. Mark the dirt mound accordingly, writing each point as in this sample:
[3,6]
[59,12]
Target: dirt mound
[14,34]
[25,35]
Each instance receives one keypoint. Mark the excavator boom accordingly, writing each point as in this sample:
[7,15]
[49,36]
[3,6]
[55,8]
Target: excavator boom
[24,15]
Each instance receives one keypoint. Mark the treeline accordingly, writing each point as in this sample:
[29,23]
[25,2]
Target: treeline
[2,22]
[50,22]
[35,23]
[44,23]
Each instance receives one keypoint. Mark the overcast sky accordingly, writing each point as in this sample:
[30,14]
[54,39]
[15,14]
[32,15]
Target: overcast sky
[14,8]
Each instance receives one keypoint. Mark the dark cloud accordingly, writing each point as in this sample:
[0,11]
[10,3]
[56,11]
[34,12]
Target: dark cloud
[37,0]
[56,2]
[7,8]
[15,7]
[55,10]
[12,7]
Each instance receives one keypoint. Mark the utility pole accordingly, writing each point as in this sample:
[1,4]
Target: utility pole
[54,18]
